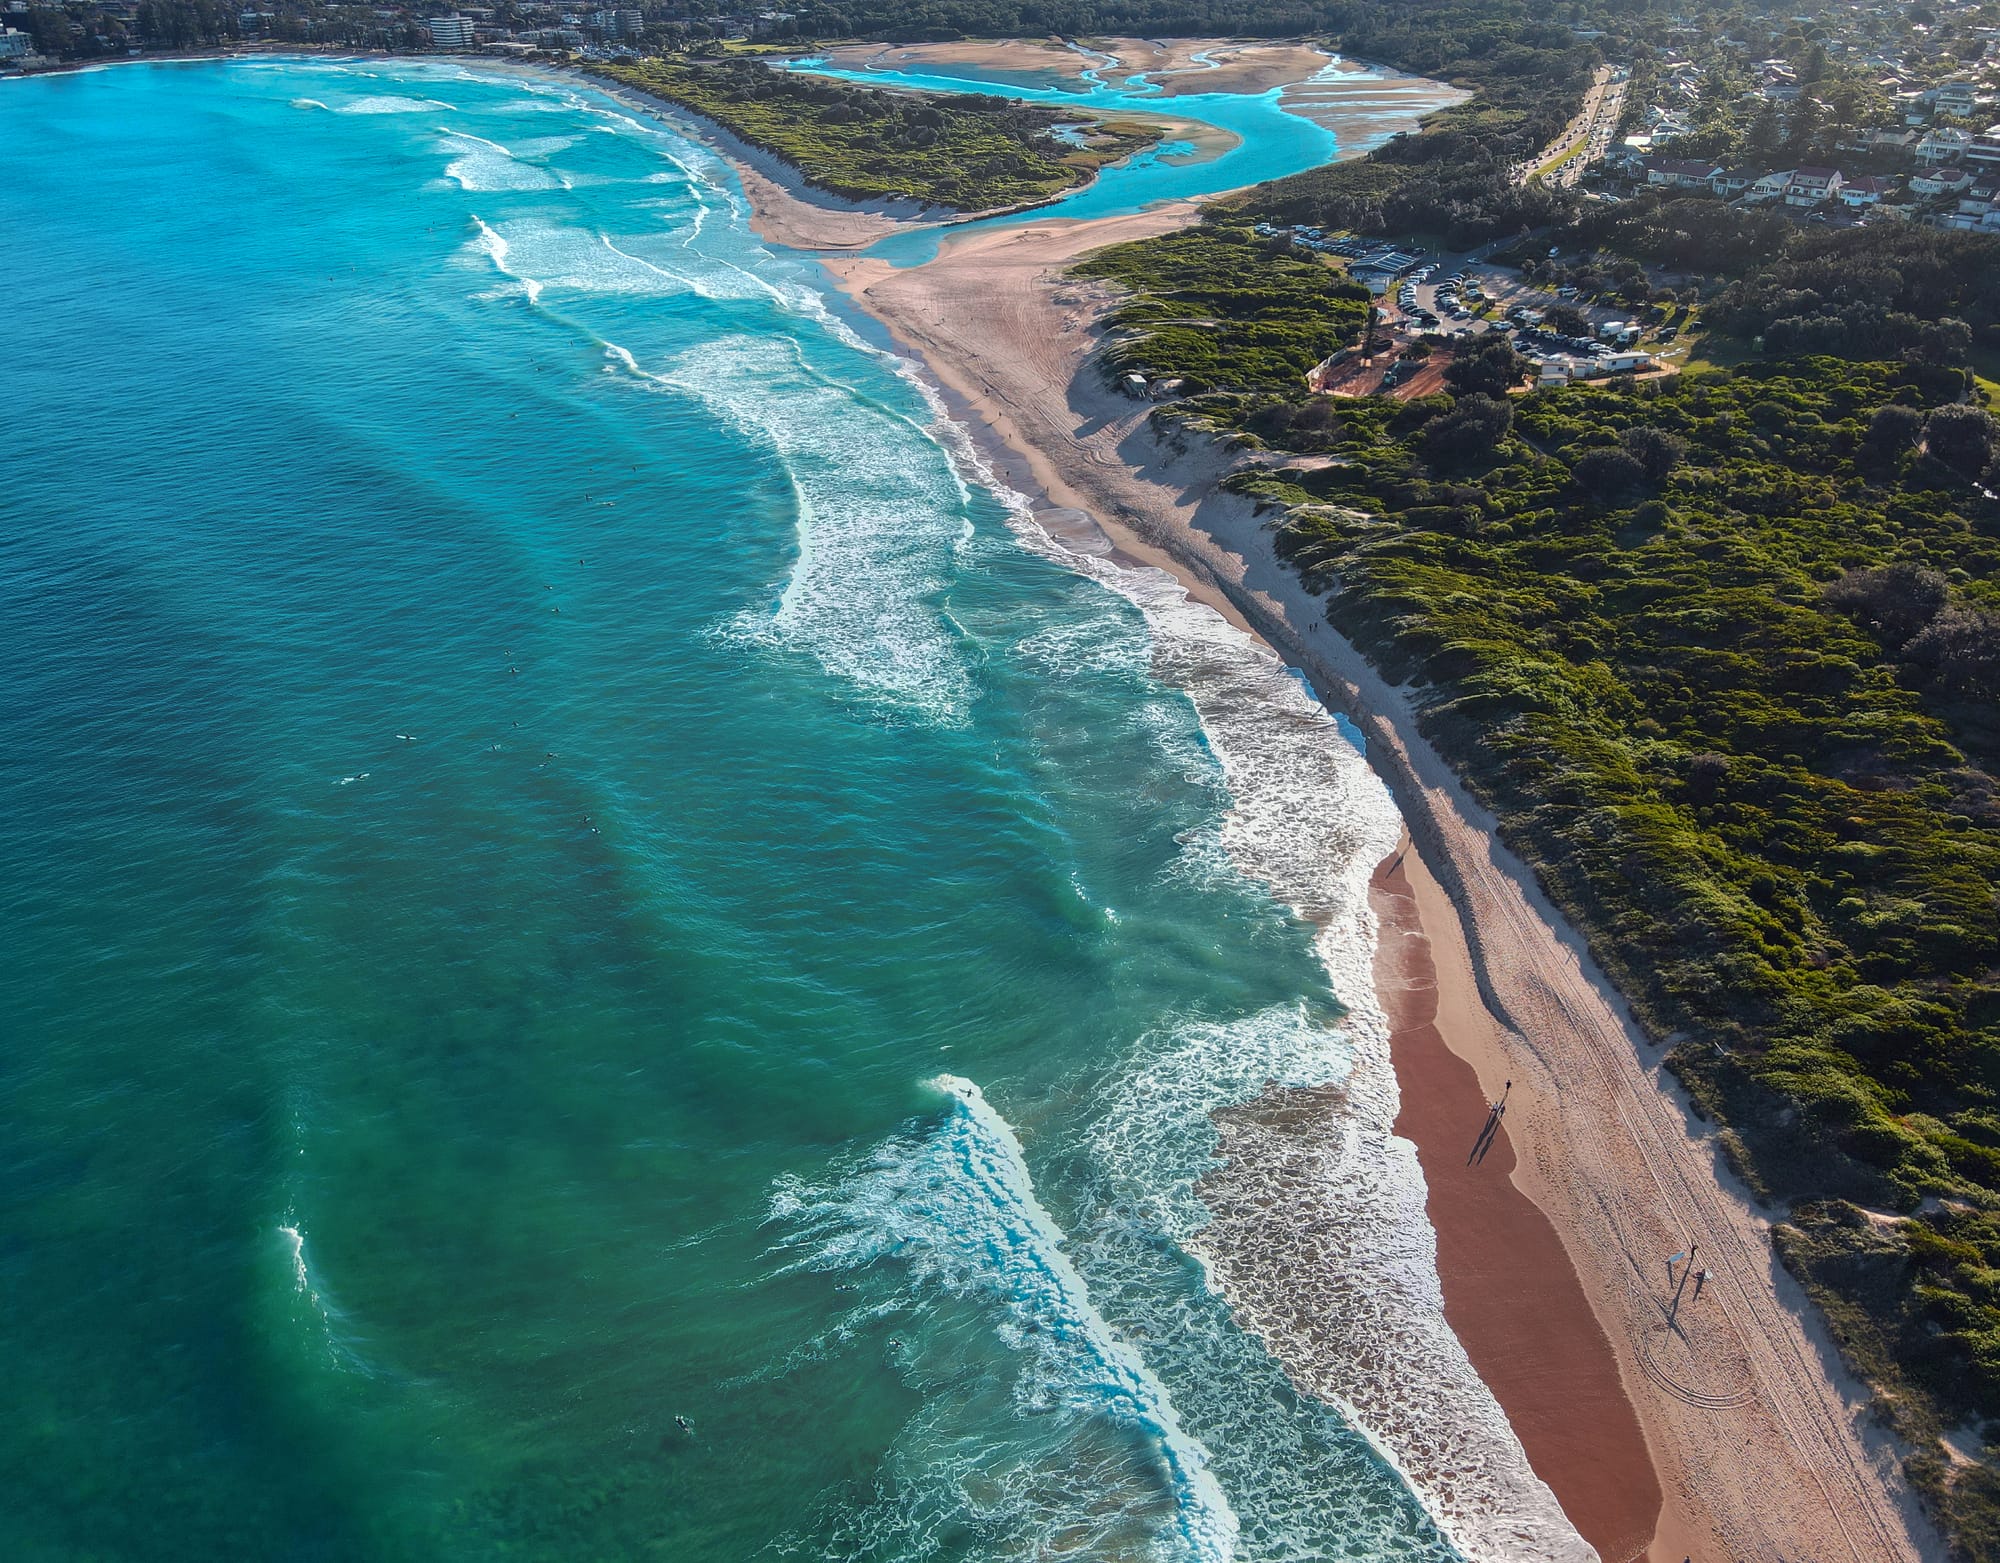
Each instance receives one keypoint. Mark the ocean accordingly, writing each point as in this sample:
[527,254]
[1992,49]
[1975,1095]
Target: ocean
[610,954]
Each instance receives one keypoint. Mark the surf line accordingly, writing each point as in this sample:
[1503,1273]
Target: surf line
[1126,1387]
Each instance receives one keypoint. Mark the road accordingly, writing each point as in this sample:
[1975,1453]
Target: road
[1586,138]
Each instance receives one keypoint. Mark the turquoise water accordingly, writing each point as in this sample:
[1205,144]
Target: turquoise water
[568,866]
[1271,141]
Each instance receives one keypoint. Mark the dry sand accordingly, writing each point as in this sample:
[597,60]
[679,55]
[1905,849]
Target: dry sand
[1758,1441]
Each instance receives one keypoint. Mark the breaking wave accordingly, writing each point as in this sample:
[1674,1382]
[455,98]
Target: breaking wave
[957,1208]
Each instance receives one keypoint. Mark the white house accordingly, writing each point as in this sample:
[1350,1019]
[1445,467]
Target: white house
[1984,147]
[1954,97]
[1942,146]
[1681,173]
[1810,186]
[1867,190]
[1770,187]
[1941,181]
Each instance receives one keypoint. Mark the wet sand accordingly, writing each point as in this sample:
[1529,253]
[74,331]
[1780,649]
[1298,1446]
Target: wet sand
[1511,1294]
[1753,1441]
[1175,65]
[1760,1443]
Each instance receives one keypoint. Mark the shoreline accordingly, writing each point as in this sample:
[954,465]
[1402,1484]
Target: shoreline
[1755,1438]
[1758,1440]
[1542,1351]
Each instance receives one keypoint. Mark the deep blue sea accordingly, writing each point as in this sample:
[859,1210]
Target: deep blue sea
[609,955]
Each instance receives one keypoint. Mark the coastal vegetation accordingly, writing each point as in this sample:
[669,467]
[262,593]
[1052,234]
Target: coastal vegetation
[1216,305]
[1452,181]
[964,151]
[1723,653]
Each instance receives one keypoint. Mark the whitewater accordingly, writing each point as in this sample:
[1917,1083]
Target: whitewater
[637,866]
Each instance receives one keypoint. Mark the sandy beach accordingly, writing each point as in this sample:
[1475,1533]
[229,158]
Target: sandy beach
[1731,1431]
[1756,1441]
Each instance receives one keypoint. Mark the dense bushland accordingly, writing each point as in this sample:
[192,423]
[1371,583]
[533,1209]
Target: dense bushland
[1724,654]
[1217,305]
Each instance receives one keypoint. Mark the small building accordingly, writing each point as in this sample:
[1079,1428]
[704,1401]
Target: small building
[1941,181]
[1732,182]
[1868,190]
[1810,186]
[1984,147]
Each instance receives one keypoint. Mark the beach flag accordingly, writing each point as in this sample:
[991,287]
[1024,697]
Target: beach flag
[1674,1259]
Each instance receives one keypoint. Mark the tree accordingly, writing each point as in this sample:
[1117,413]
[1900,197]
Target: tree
[1765,131]
[1893,430]
[1473,429]
[1656,451]
[1491,369]
[1607,474]
[1960,651]
[1961,437]
[1565,320]
[1895,602]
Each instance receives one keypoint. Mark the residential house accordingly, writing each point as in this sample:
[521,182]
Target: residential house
[1770,187]
[1732,182]
[1941,181]
[1940,147]
[1890,141]
[1681,173]
[1984,148]
[1954,97]
[1867,190]
[1810,186]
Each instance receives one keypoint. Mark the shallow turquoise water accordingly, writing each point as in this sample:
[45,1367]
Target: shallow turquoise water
[526,761]
[1272,140]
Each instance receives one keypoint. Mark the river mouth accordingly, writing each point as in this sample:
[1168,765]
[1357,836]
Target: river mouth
[1233,121]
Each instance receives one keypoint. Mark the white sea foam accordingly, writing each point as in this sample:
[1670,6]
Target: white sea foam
[326,1318]
[391,103]
[878,516]
[1307,818]
[957,1207]
[308,103]
[483,166]
[494,246]
[1310,820]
